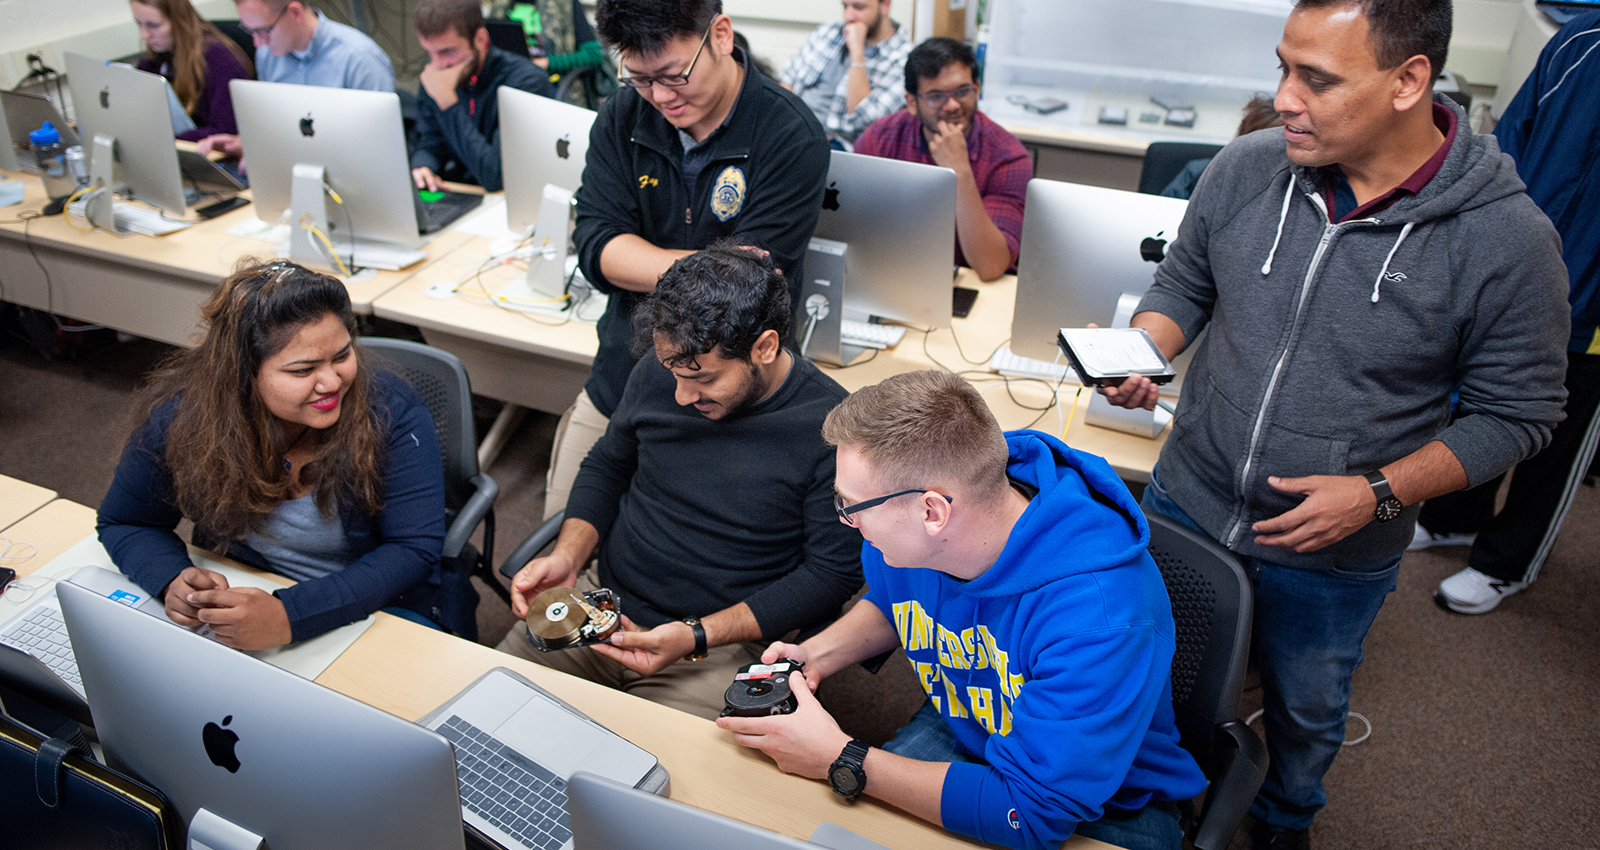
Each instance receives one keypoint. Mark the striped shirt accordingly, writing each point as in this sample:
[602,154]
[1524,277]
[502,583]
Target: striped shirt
[824,51]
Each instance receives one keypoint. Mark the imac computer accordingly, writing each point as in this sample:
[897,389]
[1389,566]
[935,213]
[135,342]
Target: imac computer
[248,752]
[127,131]
[1088,254]
[543,146]
[883,248]
[335,161]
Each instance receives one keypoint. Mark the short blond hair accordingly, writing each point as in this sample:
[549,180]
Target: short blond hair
[923,429]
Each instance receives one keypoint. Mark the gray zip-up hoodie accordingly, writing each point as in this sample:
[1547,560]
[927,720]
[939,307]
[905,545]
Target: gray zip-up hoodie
[1334,349]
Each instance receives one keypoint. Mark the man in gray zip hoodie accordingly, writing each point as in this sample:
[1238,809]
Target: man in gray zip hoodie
[1354,268]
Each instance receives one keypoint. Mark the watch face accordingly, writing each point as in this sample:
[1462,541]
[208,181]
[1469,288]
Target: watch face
[1388,509]
[844,780]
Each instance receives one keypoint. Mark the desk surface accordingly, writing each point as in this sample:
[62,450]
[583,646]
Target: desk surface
[408,670]
[19,498]
[119,281]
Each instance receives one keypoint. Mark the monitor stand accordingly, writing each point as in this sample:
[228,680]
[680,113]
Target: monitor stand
[308,208]
[1101,412]
[209,831]
[544,287]
[105,180]
[822,305]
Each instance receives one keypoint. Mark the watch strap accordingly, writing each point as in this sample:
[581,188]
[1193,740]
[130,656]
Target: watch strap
[699,639]
[851,758]
[1380,485]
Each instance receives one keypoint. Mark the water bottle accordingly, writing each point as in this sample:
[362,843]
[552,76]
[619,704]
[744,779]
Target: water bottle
[50,154]
[76,167]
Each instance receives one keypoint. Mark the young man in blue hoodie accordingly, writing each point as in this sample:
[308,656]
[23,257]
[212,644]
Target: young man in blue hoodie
[1355,268]
[1013,571]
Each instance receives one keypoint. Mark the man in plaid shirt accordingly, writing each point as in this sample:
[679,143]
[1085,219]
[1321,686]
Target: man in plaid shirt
[848,71]
[941,125]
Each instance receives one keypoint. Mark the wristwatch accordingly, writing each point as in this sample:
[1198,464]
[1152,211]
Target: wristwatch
[846,774]
[1388,506]
[699,652]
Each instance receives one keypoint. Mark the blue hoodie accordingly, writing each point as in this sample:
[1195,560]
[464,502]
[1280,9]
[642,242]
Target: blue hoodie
[1054,665]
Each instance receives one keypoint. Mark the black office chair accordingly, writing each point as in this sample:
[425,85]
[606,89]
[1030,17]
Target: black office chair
[1212,605]
[1163,161]
[441,380]
[234,29]
[532,545]
[508,35]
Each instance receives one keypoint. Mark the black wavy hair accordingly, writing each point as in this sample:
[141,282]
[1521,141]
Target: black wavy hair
[1401,29]
[645,26]
[930,57]
[721,298]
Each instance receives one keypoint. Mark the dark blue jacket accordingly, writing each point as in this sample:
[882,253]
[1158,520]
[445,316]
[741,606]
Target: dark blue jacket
[1552,129]
[463,142]
[399,562]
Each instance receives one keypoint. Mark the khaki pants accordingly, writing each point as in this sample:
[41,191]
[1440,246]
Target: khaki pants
[695,687]
[579,429]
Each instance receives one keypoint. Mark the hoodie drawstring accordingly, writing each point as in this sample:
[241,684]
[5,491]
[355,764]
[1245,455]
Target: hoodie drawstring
[1283,215]
[1404,232]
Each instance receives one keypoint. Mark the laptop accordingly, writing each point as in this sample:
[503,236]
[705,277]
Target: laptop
[25,113]
[609,816]
[38,630]
[248,752]
[517,746]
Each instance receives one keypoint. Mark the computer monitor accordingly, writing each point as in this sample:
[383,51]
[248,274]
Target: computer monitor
[238,744]
[301,141]
[8,149]
[543,142]
[1083,247]
[899,221]
[127,131]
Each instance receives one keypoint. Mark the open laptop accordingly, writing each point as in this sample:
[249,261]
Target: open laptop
[510,733]
[608,816]
[38,629]
[24,113]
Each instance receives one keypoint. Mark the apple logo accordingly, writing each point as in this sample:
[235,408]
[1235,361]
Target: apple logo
[562,147]
[1153,249]
[830,197]
[305,126]
[105,98]
[219,745]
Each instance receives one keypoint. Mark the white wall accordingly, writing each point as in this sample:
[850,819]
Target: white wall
[99,28]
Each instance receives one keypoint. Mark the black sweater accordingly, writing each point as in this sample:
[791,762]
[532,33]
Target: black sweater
[463,142]
[698,515]
[763,183]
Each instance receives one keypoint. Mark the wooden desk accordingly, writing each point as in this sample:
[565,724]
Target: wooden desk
[149,286]
[19,498]
[52,529]
[408,670]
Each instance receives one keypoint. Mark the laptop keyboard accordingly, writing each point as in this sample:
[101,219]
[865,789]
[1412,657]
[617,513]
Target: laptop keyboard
[43,634]
[436,215]
[505,788]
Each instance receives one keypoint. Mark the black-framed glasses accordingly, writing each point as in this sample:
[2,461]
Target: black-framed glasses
[846,512]
[265,32]
[937,99]
[671,81]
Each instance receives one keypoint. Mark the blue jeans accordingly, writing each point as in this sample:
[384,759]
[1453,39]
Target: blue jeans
[1155,827]
[1309,625]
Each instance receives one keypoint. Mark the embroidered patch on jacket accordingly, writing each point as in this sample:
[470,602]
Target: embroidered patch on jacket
[727,195]
[646,181]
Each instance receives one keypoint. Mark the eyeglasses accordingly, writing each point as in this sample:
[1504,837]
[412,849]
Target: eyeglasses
[671,81]
[847,512]
[937,99]
[265,32]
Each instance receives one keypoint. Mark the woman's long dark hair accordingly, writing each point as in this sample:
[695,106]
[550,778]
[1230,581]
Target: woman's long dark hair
[190,35]
[225,449]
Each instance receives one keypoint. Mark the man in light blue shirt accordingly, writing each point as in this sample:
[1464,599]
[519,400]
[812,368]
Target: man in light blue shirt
[296,44]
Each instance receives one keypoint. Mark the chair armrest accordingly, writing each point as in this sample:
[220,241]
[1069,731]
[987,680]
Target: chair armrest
[1229,797]
[543,536]
[471,514]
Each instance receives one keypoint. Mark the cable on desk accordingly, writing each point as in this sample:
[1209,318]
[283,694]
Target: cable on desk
[9,544]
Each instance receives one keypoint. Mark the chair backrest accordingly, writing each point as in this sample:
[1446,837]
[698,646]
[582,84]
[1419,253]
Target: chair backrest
[1212,605]
[1163,161]
[508,35]
[441,380]
[233,28]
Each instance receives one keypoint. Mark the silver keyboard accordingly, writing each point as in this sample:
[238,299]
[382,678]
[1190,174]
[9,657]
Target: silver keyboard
[43,634]
[1013,365]
[869,335]
[507,789]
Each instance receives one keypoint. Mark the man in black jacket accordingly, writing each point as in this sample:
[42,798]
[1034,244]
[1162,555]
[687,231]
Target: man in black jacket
[694,148]
[458,113]
[712,491]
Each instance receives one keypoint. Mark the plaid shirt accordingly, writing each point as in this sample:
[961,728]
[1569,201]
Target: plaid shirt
[886,73]
[1000,166]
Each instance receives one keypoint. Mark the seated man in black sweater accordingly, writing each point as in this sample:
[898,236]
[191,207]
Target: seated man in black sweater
[458,108]
[712,492]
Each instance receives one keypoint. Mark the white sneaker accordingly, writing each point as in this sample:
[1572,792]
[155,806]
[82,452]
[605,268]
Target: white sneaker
[1472,592]
[1423,539]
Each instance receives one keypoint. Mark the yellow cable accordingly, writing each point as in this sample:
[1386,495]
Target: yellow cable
[68,205]
[306,225]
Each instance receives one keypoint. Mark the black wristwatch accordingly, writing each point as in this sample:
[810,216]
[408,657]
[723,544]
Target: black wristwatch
[846,774]
[1388,507]
[699,653]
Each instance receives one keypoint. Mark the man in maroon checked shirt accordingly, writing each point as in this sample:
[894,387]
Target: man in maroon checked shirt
[941,125]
